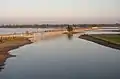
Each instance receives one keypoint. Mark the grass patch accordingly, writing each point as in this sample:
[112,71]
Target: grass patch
[115,38]
[9,39]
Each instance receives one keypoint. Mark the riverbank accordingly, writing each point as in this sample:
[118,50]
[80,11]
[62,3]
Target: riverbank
[13,44]
[108,40]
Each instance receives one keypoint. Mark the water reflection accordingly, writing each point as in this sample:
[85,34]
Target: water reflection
[63,59]
[3,58]
[70,36]
[45,36]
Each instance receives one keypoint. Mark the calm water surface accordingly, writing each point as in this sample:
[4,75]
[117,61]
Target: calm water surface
[63,58]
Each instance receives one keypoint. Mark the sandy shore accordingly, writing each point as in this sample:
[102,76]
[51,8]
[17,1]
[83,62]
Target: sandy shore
[13,44]
[100,41]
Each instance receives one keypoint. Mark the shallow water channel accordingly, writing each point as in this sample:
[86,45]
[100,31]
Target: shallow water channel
[64,57]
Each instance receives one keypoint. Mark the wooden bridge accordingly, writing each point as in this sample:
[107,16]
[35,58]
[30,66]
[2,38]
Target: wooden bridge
[41,34]
[29,34]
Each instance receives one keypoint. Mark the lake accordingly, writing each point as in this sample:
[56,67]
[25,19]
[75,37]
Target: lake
[63,57]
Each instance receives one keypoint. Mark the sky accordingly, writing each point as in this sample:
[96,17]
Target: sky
[59,11]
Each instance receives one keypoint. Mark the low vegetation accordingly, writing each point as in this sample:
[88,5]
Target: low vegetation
[115,38]
[10,39]
[8,44]
[109,40]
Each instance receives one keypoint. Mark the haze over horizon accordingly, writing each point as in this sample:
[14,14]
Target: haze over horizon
[59,11]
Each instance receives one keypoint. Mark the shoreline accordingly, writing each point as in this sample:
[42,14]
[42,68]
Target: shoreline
[100,41]
[13,44]
[8,45]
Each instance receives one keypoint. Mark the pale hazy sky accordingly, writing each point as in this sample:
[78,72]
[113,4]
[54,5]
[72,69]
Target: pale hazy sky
[59,11]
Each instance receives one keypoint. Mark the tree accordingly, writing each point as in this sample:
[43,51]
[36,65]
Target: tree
[69,28]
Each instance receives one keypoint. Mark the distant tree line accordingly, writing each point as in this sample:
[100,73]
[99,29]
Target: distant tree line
[56,25]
